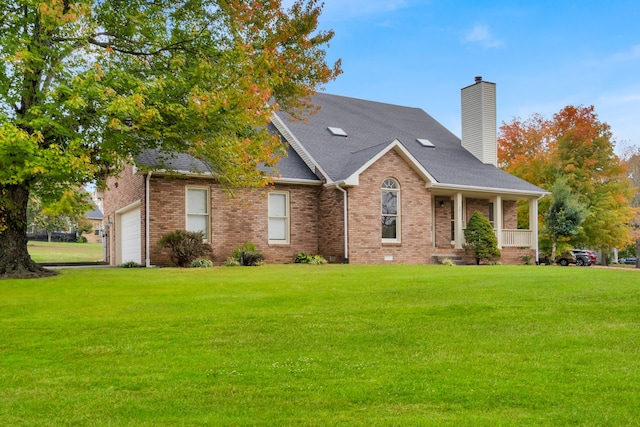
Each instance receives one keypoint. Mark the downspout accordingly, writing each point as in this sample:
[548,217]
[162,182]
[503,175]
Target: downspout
[147,261]
[346,224]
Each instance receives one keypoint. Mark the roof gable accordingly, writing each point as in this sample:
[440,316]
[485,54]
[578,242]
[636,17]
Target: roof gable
[360,161]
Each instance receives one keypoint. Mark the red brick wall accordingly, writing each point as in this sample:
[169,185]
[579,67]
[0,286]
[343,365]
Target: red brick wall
[316,217]
[510,214]
[235,220]
[365,237]
[331,224]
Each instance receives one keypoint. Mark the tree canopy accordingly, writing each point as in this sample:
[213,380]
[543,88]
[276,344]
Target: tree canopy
[565,215]
[576,146]
[87,84]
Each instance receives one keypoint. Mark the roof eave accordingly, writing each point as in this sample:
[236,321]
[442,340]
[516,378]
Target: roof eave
[476,189]
[297,181]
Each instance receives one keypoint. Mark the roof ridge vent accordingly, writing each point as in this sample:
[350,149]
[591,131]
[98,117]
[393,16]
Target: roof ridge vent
[337,131]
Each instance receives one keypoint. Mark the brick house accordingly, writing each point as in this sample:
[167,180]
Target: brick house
[363,182]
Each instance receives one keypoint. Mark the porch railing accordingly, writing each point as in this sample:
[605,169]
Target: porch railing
[517,238]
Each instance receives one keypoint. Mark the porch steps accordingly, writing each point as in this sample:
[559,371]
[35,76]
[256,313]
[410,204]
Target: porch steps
[456,259]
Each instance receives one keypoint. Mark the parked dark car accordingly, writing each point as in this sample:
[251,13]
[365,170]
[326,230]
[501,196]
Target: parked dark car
[629,261]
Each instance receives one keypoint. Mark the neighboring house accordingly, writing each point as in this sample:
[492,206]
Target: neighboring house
[95,217]
[364,182]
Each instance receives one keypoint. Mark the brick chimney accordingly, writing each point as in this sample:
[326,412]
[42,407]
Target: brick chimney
[479,121]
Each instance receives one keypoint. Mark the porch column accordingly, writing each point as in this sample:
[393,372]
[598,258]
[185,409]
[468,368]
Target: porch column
[498,219]
[458,221]
[533,224]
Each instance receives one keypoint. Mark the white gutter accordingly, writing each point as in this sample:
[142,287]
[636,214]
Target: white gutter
[486,190]
[147,261]
[346,224]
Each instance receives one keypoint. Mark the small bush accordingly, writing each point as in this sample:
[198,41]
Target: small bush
[131,264]
[447,262]
[526,259]
[481,240]
[246,255]
[184,246]
[303,258]
[318,260]
[201,263]
[81,239]
[232,262]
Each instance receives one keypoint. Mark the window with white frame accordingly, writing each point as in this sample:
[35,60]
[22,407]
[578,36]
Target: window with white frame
[390,210]
[279,217]
[198,210]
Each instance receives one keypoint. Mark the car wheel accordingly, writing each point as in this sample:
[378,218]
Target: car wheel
[563,262]
[580,262]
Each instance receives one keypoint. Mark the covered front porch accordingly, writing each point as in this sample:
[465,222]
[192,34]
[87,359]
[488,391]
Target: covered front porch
[453,208]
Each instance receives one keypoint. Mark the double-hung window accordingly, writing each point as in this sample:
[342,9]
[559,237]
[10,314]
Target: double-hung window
[278,217]
[390,210]
[198,211]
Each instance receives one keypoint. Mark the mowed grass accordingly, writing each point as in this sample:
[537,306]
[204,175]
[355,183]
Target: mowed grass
[65,252]
[296,345]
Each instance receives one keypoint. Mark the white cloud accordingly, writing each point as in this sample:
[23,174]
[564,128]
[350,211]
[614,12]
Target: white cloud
[481,34]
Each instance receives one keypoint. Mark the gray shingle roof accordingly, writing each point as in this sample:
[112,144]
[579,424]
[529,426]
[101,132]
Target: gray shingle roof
[371,126]
[291,167]
[178,162]
[94,214]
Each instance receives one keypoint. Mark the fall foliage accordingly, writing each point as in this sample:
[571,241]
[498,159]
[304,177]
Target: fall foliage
[576,146]
[85,85]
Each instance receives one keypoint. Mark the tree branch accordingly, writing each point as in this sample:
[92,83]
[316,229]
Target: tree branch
[107,45]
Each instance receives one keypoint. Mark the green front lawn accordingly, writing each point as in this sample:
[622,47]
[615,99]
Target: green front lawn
[283,345]
[65,252]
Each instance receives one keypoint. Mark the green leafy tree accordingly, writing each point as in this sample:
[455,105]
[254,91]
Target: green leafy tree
[481,240]
[68,213]
[86,85]
[565,214]
[632,162]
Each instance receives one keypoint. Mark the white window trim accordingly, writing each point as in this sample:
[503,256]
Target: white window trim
[287,218]
[207,236]
[398,238]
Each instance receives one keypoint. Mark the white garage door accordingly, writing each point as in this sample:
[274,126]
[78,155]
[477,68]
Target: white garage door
[130,237]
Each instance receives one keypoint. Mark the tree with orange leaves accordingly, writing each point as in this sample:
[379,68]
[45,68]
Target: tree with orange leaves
[87,84]
[576,146]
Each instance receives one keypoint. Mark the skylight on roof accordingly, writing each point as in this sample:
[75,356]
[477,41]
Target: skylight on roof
[337,131]
[425,142]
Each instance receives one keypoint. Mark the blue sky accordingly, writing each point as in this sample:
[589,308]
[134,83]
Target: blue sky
[543,55]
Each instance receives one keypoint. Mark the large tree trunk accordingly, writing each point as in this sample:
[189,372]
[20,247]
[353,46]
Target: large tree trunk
[15,261]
